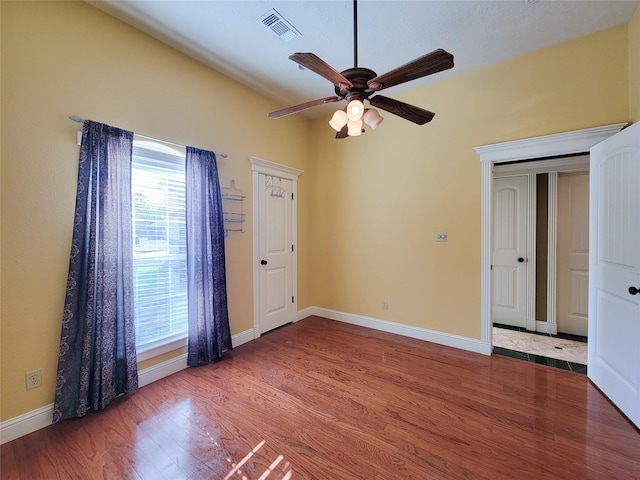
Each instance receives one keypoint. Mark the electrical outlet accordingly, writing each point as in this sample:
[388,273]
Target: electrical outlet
[33,379]
[385,305]
[441,236]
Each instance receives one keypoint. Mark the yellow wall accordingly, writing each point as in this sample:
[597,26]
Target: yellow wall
[634,67]
[368,207]
[68,58]
[381,197]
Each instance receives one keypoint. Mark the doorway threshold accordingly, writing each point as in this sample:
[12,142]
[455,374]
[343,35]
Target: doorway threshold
[567,352]
[541,360]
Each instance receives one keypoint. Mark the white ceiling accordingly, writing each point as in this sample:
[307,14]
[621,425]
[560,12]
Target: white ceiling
[228,36]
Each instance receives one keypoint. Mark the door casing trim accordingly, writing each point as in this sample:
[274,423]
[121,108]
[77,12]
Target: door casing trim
[267,167]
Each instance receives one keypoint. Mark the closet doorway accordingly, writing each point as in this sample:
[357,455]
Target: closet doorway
[554,148]
[540,258]
[540,237]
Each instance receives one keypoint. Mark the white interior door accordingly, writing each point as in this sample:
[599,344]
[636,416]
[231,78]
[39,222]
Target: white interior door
[276,252]
[614,266]
[573,254]
[509,266]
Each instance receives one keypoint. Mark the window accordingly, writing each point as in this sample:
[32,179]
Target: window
[159,246]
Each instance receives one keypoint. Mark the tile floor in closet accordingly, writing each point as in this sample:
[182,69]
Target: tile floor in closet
[568,352]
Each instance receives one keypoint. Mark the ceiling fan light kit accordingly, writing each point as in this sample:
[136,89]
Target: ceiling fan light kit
[372,118]
[338,120]
[354,128]
[355,110]
[355,85]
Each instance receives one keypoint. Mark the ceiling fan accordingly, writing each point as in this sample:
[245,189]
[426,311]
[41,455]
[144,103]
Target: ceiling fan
[355,85]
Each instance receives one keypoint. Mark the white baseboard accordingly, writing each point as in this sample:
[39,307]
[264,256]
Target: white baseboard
[36,419]
[26,423]
[450,340]
[160,370]
[547,327]
[304,313]
[242,337]
[42,417]
[174,365]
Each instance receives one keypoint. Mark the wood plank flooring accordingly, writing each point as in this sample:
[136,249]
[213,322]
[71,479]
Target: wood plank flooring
[325,400]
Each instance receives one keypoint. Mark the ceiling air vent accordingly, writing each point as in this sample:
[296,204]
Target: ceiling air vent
[276,23]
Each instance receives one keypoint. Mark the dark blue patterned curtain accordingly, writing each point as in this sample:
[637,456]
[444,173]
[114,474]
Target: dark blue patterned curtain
[209,333]
[97,357]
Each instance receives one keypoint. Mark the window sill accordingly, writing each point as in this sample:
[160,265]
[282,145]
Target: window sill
[145,352]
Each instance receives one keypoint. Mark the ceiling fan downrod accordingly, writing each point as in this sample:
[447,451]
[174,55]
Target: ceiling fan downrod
[355,33]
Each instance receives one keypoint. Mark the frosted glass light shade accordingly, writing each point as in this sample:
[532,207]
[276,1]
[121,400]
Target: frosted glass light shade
[372,118]
[338,120]
[355,109]
[355,128]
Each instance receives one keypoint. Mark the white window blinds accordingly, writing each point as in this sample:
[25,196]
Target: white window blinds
[159,244]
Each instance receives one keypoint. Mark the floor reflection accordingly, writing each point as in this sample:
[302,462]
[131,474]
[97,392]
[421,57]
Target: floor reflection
[180,441]
[286,471]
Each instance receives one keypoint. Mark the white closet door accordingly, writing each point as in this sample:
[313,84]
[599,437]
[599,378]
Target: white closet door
[276,252]
[573,254]
[509,266]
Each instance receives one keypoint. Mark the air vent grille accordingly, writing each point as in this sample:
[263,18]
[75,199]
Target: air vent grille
[276,23]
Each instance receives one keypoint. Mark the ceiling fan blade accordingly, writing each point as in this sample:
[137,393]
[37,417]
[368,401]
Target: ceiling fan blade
[303,106]
[433,62]
[409,112]
[344,133]
[322,68]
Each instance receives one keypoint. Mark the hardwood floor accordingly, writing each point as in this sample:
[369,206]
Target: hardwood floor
[326,400]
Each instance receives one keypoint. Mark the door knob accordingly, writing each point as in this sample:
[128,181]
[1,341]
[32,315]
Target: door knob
[520,259]
[634,290]
[263,262]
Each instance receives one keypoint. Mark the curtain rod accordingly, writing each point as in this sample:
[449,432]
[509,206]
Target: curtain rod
[77,119]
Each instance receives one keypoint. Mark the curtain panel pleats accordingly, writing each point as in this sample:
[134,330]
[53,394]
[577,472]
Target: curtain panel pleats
[209,332]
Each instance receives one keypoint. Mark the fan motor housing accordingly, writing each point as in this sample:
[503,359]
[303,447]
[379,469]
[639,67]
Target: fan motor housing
[359,77]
